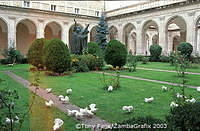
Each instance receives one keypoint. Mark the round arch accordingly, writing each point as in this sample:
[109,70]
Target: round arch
[126,32]
[3,35]
[113,33]
[175,26]
[25,35]
[197,36]
[131,47]
[52,30]
[150,26]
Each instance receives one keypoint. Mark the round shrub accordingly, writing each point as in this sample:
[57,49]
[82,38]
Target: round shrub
[185,117]
[56,56]
[115,53]
[35,53]
[93,48]
[155,51]
[185,49]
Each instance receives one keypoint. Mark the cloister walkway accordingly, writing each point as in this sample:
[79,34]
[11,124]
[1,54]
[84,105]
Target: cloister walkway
[149,80]
[160,70]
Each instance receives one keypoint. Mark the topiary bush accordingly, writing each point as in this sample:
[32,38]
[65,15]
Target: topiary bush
[35,53]
[185,49]
[184,117]
[155,51]
[56,56]
[94,49]
[115,53]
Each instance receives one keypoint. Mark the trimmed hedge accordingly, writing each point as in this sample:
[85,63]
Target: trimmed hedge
[116,53]
[56,56]
[185,49]
[35,53]
[155,51]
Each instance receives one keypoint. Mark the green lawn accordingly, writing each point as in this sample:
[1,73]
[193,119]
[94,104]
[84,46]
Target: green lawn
[40,118]
[163,76]
[87,89]
[15,67]
[167,66]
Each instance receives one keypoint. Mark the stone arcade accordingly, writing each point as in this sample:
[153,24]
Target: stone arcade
[166,23]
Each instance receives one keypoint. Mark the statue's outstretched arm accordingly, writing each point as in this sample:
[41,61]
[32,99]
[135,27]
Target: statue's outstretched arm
[87,27]
[75,25]
[75,22]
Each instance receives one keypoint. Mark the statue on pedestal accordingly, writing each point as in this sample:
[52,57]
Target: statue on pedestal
[79,39]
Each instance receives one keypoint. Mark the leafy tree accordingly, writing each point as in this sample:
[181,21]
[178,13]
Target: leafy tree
[102,32]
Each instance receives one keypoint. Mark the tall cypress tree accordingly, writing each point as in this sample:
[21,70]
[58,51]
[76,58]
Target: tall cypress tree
[102,32]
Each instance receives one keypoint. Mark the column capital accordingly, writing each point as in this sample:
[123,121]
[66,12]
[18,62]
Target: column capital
[41,20]
[138,22]
[119,24]
[12,17]
[65,22]
[162,18]
[191,13]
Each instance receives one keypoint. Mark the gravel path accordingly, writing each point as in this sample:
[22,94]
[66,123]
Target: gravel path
[94,121]
[150,69]
[149,80]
